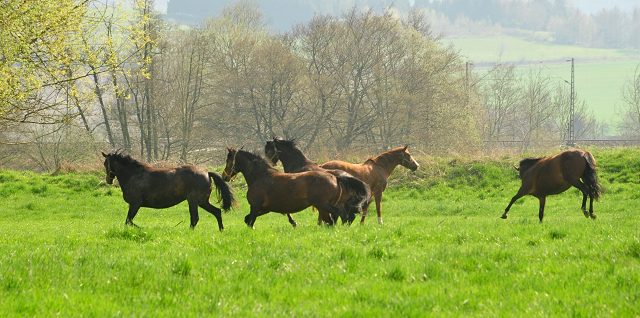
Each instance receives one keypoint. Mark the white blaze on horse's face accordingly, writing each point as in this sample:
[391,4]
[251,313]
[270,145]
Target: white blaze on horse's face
[408,161]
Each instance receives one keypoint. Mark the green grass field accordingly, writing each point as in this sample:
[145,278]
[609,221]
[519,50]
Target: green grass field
[443,251]
[599,73]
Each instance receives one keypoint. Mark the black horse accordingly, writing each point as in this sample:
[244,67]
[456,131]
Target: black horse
[145,186]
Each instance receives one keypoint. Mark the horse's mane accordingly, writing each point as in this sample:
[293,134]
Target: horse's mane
[255,159]
[527,163]
[126,159]
[287,143]
[384,154]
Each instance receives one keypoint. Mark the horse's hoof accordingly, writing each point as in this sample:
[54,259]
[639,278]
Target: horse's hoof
[593,216]
[504,216]
[380,221]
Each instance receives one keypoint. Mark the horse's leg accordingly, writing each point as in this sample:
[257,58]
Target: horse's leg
[591,214]
[292,221]
[324,217]
[345,214]
[378,207]
[213,210]
[518,195]
[329,213]
[250,219]
[193,211]
[543,200]
[583,188]
[351,216]
[133,210]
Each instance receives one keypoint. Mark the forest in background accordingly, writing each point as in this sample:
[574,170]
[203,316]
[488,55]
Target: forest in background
[561,21]
[118,76]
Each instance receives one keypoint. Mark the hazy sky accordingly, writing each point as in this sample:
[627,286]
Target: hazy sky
[589,6]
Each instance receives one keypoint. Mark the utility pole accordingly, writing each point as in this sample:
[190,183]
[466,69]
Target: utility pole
[572,134]
[468,84]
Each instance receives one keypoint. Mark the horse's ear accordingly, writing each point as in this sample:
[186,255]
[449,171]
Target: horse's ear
[406,146]
[103,154]
[514,167]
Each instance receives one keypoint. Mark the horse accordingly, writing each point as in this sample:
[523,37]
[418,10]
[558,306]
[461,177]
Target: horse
[270,190]
[293,160]
[145,186]
[375,172]
[553,175]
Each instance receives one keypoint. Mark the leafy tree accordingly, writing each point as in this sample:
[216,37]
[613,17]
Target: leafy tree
[38,61]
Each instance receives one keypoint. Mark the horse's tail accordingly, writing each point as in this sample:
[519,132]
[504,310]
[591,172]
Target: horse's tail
[360,194]
[224,191]
[590,176]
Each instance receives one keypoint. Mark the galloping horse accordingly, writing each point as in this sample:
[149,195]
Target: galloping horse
[375,172]
[293,160]
[546,176]
[145,186]
[270,190]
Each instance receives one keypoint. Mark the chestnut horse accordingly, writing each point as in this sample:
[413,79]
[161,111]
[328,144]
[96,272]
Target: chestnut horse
[293,160]
[145,186]
[546,176]
[375,172]
[270,190]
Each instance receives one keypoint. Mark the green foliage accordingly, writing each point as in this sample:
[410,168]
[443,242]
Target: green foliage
[37,49]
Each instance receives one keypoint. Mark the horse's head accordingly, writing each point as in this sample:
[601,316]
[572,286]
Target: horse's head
[230,168]
[109,167]
[526,164]
[407,160]
[270,152]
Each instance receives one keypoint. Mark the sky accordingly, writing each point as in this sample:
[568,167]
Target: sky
[589,6]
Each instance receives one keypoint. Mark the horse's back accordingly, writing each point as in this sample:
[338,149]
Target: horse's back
[356,170]
[291,192]
[556,174]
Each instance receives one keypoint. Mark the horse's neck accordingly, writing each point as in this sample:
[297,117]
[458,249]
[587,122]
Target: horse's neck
[295,160]
[387,161]
[253,172]
[125,173]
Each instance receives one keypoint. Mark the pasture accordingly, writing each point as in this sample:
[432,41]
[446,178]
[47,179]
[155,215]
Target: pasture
[599,73]
[443,250]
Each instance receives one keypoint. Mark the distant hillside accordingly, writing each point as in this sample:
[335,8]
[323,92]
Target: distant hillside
[283,14]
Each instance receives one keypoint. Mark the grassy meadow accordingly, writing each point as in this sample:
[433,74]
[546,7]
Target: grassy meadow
[599,73]
[442,251]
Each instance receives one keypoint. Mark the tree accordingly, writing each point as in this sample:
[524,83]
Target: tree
[37,61]
[537,109]
[500,100]
[630,112]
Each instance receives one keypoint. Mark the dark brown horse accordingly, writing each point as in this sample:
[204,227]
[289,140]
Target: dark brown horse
[375,172]
[270,190]
[293,160]
[145,186]
[546,176]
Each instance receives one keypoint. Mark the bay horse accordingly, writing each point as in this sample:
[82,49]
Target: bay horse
[145,186]
[270,190]
[293,160]
[375,172]
[553,175]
